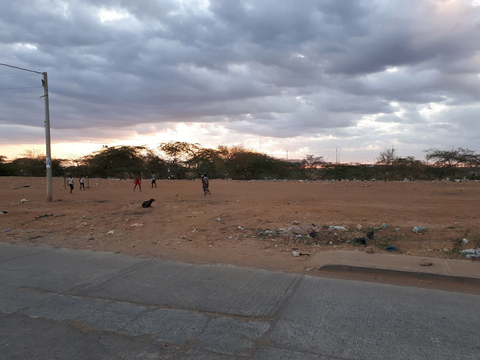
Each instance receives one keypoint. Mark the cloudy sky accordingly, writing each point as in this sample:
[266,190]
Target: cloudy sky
[337,78]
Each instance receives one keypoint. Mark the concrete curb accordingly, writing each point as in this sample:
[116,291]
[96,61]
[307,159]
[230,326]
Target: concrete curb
[410,274]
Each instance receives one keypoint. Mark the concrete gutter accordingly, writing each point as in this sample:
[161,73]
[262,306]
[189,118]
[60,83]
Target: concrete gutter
[405,265]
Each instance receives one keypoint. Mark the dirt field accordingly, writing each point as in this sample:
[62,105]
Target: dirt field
[246,223]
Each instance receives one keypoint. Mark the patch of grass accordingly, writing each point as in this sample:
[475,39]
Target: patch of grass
[382,240]
[457,246]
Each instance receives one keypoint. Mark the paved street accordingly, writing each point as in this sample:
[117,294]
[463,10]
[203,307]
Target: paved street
[77,304]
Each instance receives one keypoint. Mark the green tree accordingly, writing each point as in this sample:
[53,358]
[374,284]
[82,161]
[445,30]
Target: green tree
[409,168]
[33,163]
[178,153]
[310,166]
[208,161]
[387,159]
[116,161]
[5,167]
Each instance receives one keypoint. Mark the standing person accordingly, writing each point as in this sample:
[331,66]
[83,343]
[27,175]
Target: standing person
[70,183]
[82,183]
[138,181]
[205,184]
[154,181]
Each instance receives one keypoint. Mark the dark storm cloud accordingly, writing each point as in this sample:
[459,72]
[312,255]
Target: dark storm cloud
[285,68]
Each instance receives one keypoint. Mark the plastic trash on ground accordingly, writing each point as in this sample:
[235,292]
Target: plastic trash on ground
[338,227]
[417,229]
[390,248]
[471,253]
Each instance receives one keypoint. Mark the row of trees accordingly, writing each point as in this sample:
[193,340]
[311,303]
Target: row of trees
[181,160]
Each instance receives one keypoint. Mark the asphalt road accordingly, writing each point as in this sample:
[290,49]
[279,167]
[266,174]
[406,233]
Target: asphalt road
[76,304]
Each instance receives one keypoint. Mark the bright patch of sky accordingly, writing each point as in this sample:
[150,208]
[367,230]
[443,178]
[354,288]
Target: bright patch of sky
[432,109]
[111,15]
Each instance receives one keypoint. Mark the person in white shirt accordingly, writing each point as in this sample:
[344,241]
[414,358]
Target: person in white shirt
[82,183]
[70,183]
[154,181]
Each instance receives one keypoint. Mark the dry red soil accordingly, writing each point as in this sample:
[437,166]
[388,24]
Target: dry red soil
[246,223]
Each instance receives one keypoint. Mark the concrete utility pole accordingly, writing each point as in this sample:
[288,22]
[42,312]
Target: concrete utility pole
[47,138]
[47,127]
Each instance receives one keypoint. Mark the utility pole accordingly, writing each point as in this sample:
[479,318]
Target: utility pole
[47,127]
[287,153]
[47,138]
[336,154]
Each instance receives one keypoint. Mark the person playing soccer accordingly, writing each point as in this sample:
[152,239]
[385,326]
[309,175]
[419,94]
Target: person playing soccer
[138,182]
[154,181]
[82,183]
[205,184]
[70,183]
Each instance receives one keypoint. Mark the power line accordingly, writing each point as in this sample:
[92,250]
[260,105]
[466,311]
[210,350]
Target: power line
[19,68]
[29,87]
[16,76]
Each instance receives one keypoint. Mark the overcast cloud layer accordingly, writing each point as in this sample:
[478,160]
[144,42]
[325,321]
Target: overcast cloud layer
[304,75]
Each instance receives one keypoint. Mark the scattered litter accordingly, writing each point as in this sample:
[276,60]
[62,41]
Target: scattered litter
[384,225]
[297,254]
[465,241]
[330,242]
[390,248]
[338,227]
[310,268]
[370,235]
[194,230]
[298,236]
[361,240]
[425,262]
[397,229]
[296,222]
[369,250]
[240,228]
[287,203]
[111,232]
[33,238]
[446,250]
[3,212]
[218,219]
[417,229]
[312,234]
[169,220]
[471,253]
[26,186]
[230,237]
[5,230]
[23,200]
[136,225]
[148,203]
[359,227]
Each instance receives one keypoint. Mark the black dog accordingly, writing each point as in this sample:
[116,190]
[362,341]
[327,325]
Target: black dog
[148,203]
